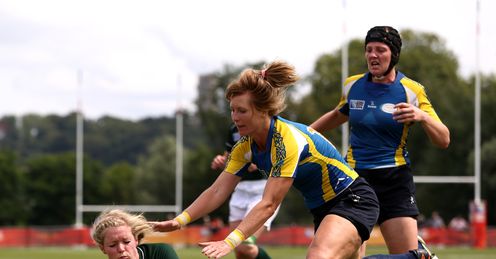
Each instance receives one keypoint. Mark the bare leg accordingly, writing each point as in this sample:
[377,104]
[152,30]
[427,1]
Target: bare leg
[400,234]
[335,238]
[362,250]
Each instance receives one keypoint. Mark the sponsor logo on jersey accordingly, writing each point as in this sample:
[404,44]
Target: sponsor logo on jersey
[357,104]
[372,105]
[388,108]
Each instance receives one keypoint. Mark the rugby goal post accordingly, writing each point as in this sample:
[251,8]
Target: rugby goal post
[81,208]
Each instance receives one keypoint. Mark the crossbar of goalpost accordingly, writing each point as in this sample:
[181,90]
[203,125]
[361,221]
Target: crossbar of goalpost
[174,208]
[134,208]
[444,179]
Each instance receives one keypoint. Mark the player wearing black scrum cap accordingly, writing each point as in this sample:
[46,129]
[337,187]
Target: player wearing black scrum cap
[381,105]
[389,36]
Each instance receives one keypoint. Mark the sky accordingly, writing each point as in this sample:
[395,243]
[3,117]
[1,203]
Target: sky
[134,59]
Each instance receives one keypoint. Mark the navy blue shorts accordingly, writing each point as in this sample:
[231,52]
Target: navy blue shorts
[395,190]
[358,204]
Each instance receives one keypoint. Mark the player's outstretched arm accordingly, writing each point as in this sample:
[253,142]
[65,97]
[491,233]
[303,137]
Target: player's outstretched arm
[209,200]
[165,226]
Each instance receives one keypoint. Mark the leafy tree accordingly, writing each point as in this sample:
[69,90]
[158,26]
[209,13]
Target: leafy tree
[118,184]
[12,203]
[52,178]
[156,172]
[488,146]
[198,177]
[51,188]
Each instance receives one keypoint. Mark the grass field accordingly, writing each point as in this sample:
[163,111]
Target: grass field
[194,253]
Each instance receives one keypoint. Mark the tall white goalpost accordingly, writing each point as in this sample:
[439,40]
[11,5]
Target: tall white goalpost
[81,207]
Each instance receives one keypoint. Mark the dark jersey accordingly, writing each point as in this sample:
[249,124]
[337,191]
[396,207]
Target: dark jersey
[156,251]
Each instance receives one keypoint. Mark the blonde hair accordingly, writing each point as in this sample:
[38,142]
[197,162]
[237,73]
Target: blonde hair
[116,218]
[268,86]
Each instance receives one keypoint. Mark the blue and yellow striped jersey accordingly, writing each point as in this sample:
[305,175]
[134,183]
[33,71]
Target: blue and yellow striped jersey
[297,151]
[376,140]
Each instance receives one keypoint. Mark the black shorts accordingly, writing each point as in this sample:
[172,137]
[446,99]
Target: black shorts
[358,204]
[395,189]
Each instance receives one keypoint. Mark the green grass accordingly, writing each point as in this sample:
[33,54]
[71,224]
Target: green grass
[194,253]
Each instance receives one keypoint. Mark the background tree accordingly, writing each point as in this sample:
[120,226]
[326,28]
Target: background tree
[198,177]
[134,161]
[14,211]
[155,175]
[117,184]
[51,188]
[488,146]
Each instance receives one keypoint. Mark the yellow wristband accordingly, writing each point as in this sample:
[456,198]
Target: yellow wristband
[183,219]
[235,238]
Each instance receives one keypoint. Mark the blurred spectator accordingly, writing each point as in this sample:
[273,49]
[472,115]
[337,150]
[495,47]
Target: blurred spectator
[421,221]
[435,221]
[458,223]
[211,226]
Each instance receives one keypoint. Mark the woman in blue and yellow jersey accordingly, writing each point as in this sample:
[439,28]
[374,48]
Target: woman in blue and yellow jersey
[248,192]
[344,206]
[381,105]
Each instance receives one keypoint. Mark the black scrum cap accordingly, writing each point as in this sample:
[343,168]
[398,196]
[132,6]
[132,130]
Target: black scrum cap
[389,36]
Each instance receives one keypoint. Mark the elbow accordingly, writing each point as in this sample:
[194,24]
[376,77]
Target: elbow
[270,208]
[440,136]
[444,141]
[444,144]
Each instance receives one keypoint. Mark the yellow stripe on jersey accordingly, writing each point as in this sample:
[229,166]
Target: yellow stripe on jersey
[416,95]
[294,145]
[235,165]
[350,159]
[399,158]
[323,161]
[346,89]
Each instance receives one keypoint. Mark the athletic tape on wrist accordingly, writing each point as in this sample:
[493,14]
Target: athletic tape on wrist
[235,238]
[183,219]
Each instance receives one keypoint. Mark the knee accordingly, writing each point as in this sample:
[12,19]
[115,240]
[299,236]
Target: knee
[316,251]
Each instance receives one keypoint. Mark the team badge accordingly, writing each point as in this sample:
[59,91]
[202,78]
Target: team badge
[357,104]
[388,108]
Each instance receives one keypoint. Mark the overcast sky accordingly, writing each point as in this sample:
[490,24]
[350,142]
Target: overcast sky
[136,59]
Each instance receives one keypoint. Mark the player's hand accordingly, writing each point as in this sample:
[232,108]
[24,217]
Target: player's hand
[219,162]
[165,226]
[252,168]
[405,113]
[216,249]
